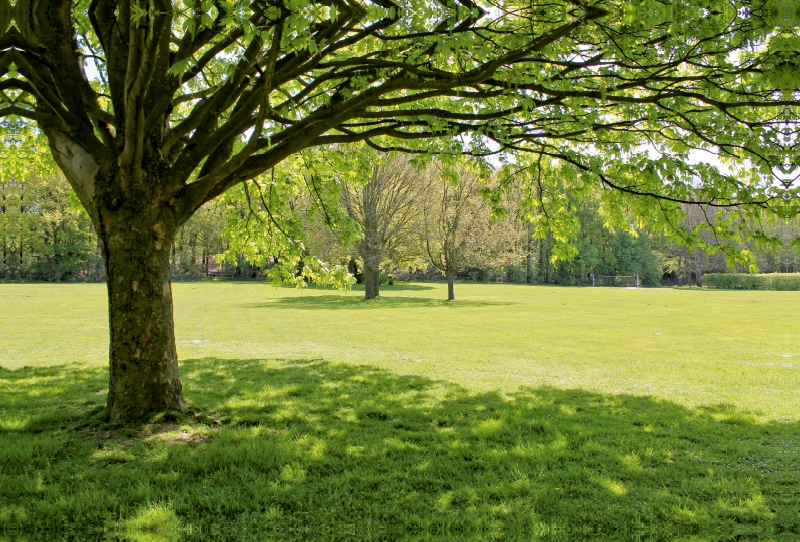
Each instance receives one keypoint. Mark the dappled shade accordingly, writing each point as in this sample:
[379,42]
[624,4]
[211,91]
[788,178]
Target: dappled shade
[303,449]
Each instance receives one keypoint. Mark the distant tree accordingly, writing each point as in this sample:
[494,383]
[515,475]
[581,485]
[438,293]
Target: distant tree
[387,207]
[198,241]
[458,228]
[450,215]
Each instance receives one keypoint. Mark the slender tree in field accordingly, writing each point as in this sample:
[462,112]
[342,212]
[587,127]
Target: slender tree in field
[386,206]
[459,230]
[154,107]
[452,215]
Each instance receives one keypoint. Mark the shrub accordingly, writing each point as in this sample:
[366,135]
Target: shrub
[516,273]
[784,281]
[743,281]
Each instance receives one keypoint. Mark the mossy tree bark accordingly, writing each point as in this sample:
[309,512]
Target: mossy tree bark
[143,369]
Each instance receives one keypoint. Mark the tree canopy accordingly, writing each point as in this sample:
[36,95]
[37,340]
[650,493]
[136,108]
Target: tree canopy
[223,91]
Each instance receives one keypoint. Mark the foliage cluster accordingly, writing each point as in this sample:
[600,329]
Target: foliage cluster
[44,233]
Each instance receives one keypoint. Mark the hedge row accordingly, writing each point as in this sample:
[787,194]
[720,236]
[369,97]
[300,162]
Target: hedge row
[742,281]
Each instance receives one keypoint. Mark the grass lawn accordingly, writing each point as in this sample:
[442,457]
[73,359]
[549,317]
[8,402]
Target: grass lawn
[513,413]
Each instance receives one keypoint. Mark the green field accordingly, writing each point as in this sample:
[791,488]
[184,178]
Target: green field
[515,412]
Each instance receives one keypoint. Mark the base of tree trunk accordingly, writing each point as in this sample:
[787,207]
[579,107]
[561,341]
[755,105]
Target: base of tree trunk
[450,293]
[372,278]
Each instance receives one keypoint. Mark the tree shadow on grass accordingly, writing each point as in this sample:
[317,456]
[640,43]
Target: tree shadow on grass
[332,302]
[308,450]
[398,287]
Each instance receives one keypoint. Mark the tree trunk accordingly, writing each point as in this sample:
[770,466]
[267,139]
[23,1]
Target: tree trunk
[372,277]
[529,259]
[450,294]
[542,262]
[143,374]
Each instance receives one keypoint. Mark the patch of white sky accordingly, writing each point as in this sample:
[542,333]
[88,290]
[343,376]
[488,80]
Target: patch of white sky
[695,156]
[90,69]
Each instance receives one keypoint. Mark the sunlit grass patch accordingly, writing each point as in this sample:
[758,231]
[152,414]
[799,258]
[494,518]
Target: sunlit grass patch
[152,523]
[690,346]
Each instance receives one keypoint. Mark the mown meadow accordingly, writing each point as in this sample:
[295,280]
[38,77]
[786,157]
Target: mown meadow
[513,413]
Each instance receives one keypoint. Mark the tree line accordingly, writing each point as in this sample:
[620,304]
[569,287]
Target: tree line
[389,218]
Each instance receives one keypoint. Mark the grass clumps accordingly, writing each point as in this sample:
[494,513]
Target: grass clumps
[153,523]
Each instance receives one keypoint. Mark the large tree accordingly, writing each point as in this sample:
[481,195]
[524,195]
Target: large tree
[154,107]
